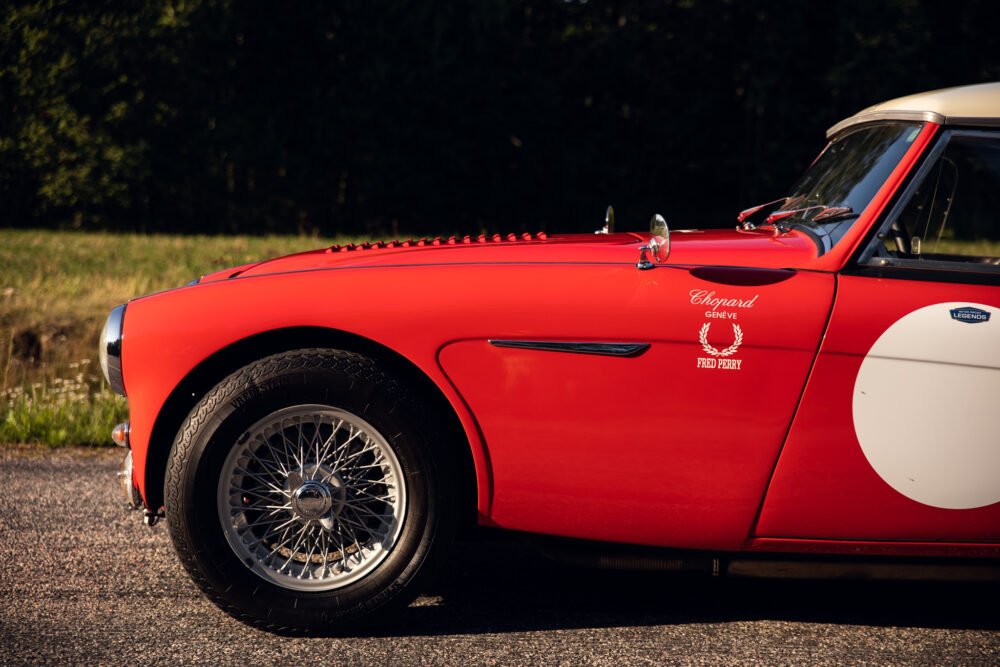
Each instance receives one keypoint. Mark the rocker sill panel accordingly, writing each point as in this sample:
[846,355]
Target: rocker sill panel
[605,349]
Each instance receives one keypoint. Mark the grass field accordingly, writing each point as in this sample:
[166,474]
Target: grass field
[56,288]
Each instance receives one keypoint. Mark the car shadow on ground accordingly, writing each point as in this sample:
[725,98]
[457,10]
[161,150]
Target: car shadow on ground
[497,587]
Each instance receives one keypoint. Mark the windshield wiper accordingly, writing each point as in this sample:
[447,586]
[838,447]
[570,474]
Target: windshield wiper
[749,218]
[825,214]
[767,215]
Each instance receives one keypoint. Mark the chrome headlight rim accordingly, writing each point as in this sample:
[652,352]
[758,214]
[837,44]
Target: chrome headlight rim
[110,349]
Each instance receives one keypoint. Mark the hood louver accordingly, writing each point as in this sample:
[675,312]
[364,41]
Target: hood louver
[438,241]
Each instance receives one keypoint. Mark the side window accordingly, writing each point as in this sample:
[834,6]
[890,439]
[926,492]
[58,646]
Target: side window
[953,215]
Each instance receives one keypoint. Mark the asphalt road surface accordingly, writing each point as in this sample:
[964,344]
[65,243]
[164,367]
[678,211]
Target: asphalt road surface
[82,581]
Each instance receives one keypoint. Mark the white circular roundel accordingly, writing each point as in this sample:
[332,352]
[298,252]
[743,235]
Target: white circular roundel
[927,405]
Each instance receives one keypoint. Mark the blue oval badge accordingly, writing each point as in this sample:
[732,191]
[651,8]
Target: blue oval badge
[970,315]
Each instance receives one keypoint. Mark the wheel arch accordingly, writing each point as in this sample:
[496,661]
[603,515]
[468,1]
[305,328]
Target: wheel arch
[225,361]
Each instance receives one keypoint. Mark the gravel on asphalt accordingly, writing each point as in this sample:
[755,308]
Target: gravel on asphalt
[83,581]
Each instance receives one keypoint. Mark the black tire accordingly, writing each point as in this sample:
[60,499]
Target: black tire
[246,587]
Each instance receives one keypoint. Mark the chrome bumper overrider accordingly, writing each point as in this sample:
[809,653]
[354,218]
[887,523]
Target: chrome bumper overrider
[133,500]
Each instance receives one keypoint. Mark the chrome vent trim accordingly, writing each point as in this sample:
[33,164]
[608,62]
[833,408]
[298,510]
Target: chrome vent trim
[603,349]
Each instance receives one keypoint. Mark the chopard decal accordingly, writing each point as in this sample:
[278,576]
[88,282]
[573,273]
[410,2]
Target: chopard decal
[719,359]
[701,297]
[970,315]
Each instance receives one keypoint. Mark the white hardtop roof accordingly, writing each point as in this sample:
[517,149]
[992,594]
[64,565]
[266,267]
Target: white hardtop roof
[964,105]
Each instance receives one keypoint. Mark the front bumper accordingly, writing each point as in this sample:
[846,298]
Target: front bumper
[126,478]
[133,499]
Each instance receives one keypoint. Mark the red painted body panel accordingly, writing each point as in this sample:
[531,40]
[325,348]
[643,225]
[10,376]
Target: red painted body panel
[650,449]
[823,486]
[757,248]
[170,333]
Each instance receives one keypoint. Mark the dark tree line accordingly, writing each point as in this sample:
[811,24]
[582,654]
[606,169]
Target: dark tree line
[445,116]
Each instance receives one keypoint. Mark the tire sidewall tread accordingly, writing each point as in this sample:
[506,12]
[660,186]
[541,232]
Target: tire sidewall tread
[347,380]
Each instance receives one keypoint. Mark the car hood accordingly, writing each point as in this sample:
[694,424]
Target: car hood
[716,247]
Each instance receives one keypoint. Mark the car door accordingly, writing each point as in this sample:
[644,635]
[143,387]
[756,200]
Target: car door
[898,434]
[641,406]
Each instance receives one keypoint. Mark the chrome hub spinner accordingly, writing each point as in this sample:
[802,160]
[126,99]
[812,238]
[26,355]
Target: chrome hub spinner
[312,500]
[317,495]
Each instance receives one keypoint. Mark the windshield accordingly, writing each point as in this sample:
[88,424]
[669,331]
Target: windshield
[842,181]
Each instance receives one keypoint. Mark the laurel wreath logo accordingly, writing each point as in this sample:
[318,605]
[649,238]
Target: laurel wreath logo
[703,339]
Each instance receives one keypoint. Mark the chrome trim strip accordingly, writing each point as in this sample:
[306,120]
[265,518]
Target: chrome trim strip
[603,349]
[873,116]
[978,121]
[922,116]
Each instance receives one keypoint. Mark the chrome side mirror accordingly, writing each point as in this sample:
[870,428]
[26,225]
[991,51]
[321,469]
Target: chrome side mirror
[609,222]
[659,241]
[658,246]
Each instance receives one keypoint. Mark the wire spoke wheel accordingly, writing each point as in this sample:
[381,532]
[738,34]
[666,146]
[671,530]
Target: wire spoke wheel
[303,492]
[312,498]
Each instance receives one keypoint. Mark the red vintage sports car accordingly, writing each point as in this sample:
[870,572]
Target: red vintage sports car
[822,379]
